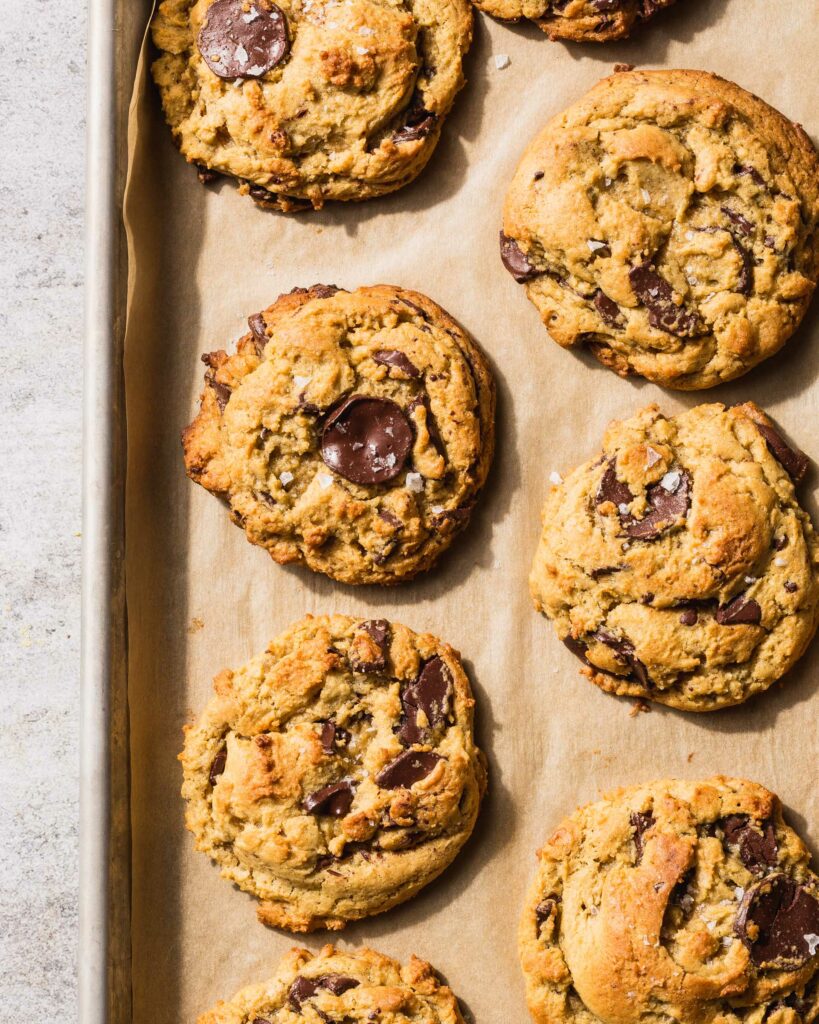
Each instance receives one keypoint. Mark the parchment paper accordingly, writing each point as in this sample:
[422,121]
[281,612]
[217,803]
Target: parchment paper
[201,598]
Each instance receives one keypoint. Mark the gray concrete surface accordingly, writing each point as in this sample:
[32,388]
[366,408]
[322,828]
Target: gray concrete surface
[42,109]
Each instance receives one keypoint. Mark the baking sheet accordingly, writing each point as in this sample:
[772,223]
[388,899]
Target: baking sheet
[201,598]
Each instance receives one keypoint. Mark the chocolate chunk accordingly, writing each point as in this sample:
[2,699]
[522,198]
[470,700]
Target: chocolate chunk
[606,570]
[577,647]
[624,650]
[217,766]
[745,284]
[205,174]
[406,769]
[641,822]
[379,631]
[431,694]
[689,617]
[774,920]
[331,735]
[323,291]
[333,801]
[546,910]
[606,5]
[739,222]
[390,517]
[303,989]
[260,1020]
[257,326]
[418,123]
[239,43]
[613,490]
[742,611]
[222,393]
[515,260]
[366,440]
[791,587]
[756,841]
[668,501]
[608,309]
[392,357]
[751,172]
[794,462]
[780,543]
[657,296]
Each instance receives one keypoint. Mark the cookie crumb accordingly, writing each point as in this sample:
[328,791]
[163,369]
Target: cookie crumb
[690,757]
[639,706]
[620,68]
[196,624]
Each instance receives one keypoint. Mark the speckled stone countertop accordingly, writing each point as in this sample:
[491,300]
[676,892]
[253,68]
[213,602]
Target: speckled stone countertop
[42,107]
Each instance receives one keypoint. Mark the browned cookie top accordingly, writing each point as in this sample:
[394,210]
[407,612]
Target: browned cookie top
[336,774]
[351,431]
[668,221]
[676,901]
[677,564]
[588,21]
[309,100]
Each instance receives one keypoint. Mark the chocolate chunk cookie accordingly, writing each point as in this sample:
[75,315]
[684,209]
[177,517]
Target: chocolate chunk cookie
[668,221]
[587,21]
[308,101]
[335,775]
[678,565]
[339,985]
[351,431]
[676,901]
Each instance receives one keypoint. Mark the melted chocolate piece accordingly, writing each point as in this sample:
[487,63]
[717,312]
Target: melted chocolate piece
[794,462]
[608,309]
[657,296]
[406,769]
[367,440]
[217,766]
[666,507]
[515,260]
[205,174]
[323,291]
[333,801]
[742,611]
[743,225]
[624,650]
[328,737]
[791,587]
[379,631]
[392,357]
[418,123]
[774,919]
[689,617]
[745,284]
[237,42]
[756,841]
[430,693]
[613,490]
[257,326]
[641,822]
[546,910]
[751,172]
[303,989]
[577,647]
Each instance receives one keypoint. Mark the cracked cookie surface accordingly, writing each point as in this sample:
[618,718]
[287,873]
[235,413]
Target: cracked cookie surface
[342,985]
[309,100]
[351,431]
[677,901]
[668,221]
[678,565]
[586,21]
[336,774]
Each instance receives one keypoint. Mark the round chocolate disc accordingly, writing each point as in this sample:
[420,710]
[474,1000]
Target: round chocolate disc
[366,440]
[243,38]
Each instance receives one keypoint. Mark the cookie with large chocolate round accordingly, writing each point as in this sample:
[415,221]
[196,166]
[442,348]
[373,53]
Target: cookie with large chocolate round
[351,431]
[669,222]
[308,101]
[336,774]
[678,564]
[357,986]
[681,901]
[585,21]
